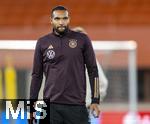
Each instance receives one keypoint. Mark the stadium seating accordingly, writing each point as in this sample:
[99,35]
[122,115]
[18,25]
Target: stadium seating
[100,12]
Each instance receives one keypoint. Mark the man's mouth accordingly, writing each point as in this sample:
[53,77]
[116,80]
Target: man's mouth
[60,27]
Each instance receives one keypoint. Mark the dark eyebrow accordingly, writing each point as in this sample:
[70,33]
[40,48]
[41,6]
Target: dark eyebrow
[66,17]
[61,18]
[57,18]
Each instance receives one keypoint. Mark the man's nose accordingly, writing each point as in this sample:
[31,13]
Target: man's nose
[61,21]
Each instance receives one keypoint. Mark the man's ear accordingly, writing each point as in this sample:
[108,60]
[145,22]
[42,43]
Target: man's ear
[50,19]
[69,19]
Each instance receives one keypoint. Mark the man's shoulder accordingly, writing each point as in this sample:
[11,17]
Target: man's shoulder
[45,37]
[79,34]
[82,36]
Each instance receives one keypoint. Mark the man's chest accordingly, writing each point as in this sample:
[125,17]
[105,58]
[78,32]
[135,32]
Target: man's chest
[59,49]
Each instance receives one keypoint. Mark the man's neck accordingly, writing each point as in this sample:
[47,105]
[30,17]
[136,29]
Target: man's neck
[60,34]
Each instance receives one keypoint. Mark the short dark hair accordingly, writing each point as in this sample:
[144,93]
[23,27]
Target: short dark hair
[58,8]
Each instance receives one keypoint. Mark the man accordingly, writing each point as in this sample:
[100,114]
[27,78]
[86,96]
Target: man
[62,56]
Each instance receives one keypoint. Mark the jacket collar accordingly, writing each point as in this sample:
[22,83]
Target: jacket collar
[61,35]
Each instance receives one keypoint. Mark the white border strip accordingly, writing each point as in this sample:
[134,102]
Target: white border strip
[98,45]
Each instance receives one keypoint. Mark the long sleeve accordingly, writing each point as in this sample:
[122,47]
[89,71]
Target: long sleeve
[90,61]
[37,73]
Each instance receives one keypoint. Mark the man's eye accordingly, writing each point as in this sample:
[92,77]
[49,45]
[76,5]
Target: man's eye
[65,18]
[56,18]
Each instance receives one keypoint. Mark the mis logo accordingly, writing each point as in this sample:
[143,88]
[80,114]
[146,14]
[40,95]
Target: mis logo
[23,108]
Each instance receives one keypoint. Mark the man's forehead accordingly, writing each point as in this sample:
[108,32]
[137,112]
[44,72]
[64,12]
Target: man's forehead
[60,13]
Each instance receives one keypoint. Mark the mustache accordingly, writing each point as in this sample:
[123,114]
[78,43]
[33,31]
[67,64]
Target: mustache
[62,26]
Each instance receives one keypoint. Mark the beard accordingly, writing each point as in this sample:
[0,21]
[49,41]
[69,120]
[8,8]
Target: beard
[61,29]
